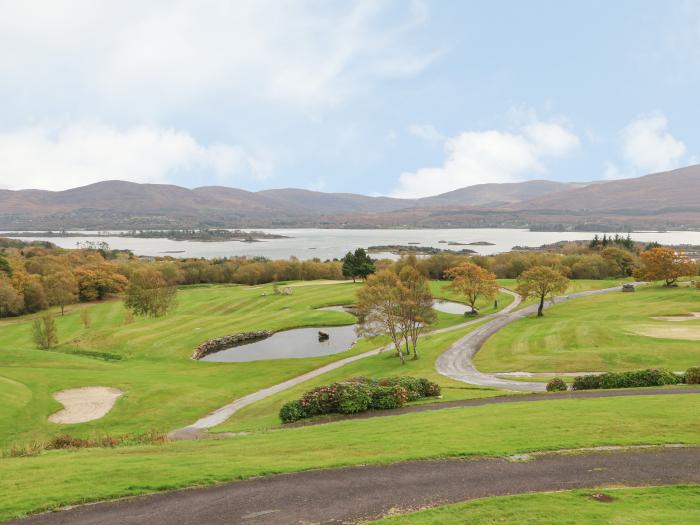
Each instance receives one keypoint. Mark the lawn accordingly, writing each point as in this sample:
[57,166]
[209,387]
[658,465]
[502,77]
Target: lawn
[631,506]
[264,414]
[149,359]
[598,333]
[498,430]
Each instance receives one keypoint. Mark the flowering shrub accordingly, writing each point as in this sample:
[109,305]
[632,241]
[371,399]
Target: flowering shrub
[692,375]
[358,394]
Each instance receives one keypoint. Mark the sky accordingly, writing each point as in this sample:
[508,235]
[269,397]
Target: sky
[401,98]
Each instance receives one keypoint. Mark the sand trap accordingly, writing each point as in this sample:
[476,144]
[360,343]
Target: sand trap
[84,404]
[692,316]
[689,333]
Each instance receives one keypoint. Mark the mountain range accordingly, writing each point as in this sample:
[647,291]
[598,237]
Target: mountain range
[667,200]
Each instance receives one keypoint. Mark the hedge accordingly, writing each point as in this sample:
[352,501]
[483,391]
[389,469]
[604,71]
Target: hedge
[358,394]
[631,379]
[557,385]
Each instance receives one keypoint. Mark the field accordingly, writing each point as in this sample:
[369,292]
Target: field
[164,389]
[598,334]
[639,506]
[503,430]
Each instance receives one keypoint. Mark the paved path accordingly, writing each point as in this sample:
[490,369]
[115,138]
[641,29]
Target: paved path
[457,361]
[355,494]
[197,429]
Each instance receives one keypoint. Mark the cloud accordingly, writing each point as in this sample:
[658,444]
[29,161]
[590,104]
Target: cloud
[157,56]
[477,157]
[40,157]
[426,132]
[649,147]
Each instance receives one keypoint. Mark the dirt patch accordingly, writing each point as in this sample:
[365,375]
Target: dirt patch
[84,404]
[688,333]
[603,498]
[692,316]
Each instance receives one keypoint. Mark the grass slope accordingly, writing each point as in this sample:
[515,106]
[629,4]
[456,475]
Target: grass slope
[631,506]
[80,476]
[596,334]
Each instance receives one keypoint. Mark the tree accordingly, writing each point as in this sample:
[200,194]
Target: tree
[472,282]
[44,332]
[358,264]
[541,282]
[34,296]
[149,294]
[664,264]
[61,289]
[5,266]
[379,308]
[85,318]
[415,306]
[11,301]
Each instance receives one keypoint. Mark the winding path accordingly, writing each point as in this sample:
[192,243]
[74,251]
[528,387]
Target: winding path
[197,429]
[457,361]
[351,495]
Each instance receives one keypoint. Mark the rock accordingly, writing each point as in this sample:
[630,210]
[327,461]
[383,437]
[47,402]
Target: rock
[227,341]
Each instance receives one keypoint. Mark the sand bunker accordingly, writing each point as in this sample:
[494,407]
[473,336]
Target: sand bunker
[84,404]
[689,333]
[692,316]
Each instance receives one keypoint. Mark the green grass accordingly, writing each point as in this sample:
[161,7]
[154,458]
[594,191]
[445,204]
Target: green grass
[575,285]
[631,506]
[150,358]
[497,430]
[594,334]
[264,414]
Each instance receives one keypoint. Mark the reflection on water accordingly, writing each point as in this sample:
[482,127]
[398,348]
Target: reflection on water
[450,307]
[296,343]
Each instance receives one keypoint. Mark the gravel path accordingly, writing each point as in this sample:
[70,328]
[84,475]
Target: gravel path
[457,361]
[197,429]
[351,495]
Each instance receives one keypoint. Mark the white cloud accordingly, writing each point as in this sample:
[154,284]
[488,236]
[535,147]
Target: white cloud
[648,146]
[476,157]
[426,132]
[159,55]
[39,157]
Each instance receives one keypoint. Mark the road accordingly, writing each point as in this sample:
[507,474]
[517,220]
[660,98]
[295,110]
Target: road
[457,361]
[351,495]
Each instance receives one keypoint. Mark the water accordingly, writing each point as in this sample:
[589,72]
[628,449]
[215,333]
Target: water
[295,343]
[328,244]
[450,307]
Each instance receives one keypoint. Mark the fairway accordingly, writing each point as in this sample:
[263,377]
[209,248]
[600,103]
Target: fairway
[593,334]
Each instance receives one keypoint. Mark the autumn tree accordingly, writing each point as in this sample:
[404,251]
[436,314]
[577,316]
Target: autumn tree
[379,308]
[149,294]
[664,264]
[472,282]
[44,332]
[541,282]
[11,301]
[61,289]
[34,295]
[415,306]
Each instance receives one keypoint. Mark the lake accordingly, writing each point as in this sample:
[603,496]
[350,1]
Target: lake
[308,243]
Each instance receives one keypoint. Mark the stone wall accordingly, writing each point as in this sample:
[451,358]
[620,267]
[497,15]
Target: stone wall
[227,341]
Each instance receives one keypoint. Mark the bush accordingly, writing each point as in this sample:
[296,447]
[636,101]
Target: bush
[358,394]
[631,379]
[292,411]
[557,385]
[692,375]
[387,397]
[354,397]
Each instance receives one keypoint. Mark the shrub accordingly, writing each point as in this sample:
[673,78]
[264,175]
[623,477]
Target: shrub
[292,411]
[630,379]
[430,389]
[320,400]
[354,397]
[692,375]
[386,397]
[557,385]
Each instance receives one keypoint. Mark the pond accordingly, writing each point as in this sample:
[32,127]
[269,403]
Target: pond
[450,307]
[295,343]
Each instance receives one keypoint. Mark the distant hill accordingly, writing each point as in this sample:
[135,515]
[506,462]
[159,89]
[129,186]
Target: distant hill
[662,200]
